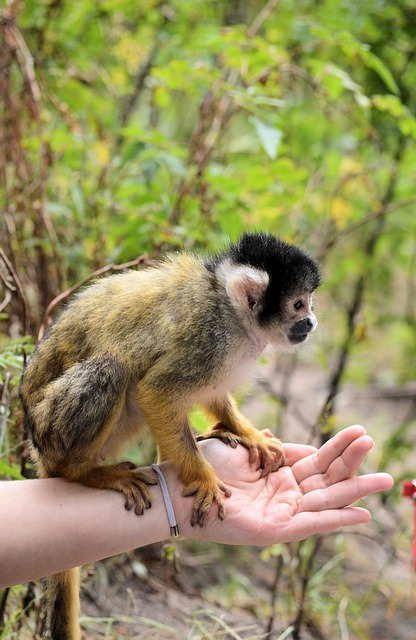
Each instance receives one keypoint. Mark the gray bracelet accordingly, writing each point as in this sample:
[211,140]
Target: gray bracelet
[174,529]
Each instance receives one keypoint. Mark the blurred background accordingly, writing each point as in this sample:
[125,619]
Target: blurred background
[129,129]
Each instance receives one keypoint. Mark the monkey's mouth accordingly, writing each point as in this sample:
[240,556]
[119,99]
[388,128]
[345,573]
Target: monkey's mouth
[297,338]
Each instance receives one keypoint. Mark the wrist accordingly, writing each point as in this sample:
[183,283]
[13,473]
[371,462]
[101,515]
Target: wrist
[182,505]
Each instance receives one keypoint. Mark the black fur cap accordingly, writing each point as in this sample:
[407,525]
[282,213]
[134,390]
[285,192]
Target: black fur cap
[291,269]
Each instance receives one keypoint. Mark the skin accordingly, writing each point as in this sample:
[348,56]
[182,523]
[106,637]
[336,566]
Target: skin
[53,525]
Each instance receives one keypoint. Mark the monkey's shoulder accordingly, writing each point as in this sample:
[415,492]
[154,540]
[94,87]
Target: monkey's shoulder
[182,270]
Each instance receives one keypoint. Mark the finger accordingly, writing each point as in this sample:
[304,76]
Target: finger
[336,446]
[345,493]
[306,524]
[325,456]
[295,452]
[343,467]
[347,464]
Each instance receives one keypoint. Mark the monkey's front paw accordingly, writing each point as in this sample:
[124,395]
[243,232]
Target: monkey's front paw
[206,490]
[126,478]
[134,488]
[222,433]
[265,451]
[268,451]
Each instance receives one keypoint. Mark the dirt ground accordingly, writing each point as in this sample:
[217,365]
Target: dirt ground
[221,592]
[193,606]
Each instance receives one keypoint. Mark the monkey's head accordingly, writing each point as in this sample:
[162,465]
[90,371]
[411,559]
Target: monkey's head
[271,284]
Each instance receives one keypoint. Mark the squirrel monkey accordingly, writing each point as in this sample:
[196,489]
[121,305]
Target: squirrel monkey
[140,349]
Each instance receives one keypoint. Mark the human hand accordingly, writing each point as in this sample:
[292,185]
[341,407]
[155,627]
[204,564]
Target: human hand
[311,494]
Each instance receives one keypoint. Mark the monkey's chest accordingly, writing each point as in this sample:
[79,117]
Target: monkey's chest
[228,380]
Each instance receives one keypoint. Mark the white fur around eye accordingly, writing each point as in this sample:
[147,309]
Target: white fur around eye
[244,285]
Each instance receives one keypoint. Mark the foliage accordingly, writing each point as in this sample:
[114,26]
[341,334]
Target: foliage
[133,128]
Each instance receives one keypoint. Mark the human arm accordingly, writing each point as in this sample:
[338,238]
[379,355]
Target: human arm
[50,525]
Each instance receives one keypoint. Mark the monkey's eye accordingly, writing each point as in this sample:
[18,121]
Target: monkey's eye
[298,305]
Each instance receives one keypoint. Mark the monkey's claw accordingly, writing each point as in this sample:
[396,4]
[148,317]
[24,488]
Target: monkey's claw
[126,478]
[265,451]
[134,488]
[225,436]
[205,493]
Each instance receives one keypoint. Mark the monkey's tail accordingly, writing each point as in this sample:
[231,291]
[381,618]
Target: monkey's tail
[63,605]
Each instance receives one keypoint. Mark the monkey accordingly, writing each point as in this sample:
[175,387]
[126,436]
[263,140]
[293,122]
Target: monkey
[139,350]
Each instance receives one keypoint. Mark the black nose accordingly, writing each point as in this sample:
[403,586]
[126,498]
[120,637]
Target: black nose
[299,330]
[310,323]
[303,326]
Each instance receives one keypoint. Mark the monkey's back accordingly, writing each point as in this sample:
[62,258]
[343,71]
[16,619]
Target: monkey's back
[174,314]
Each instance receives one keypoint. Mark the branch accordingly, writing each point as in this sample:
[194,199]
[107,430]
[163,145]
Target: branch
[215,113]
[133,99]
[4,407]
[261,18]
[28,71]
[381,212]
[305,578]
[34,177]
[357,298]
[18,289]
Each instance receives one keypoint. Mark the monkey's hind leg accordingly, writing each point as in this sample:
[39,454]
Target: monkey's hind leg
[233,428]
[80,415]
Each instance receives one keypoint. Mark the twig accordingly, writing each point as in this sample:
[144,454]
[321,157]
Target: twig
[261,18]
[374,215]
[357,300]
[19,291]
[28,184]
[133,99]
[215,113]
[305,579]
[6,300]
[273,595]
[4,407]
[27,68]
[3,603]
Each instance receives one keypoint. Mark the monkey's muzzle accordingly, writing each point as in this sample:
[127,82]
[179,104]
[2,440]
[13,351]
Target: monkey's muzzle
[300,330]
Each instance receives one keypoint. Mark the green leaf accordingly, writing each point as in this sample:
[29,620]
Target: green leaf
[270,137]
[352,47]
[373,62]
[6,470]
[397,110]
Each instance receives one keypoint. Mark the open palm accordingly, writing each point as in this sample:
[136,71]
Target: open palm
[310,494]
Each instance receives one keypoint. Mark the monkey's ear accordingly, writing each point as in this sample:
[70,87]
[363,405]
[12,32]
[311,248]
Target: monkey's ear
[245,286]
